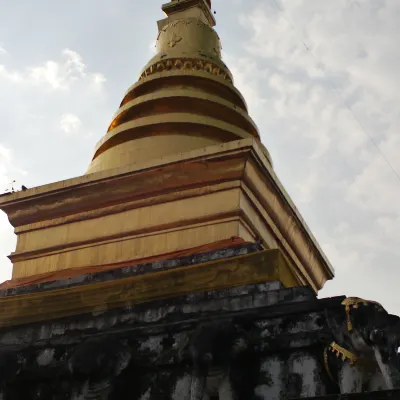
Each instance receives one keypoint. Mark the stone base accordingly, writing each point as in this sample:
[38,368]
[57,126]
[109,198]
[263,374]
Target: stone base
[256,341]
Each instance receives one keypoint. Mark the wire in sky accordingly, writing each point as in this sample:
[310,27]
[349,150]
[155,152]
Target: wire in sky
[335,88]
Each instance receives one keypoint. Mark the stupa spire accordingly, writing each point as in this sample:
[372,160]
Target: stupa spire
[184,99]
[182,8]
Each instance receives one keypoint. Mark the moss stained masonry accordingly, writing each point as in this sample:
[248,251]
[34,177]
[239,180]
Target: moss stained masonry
[253,342]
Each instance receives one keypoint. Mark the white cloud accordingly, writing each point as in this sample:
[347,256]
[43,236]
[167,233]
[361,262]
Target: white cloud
[247,74]
[306,189]
[51,74]
[8,173]
[62,75]
[323,77]
[332,70]
[5,160]
[70,124]
[12,76]
[99,79]
[377,188]
[53,96]
[70,70]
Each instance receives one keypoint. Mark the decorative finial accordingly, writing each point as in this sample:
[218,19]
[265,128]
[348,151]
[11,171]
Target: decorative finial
[179,6]
[207,1]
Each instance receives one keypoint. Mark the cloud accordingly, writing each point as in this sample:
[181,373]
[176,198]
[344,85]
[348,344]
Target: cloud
[306,189]
[247,75]
[63,75]
[56,94]
[12,76]
[48,105]
[5,160]
[99,79]
[7,245]
[52,96]
[322,80]
[10,177]
[10,174]
[376,186]
[70,124]
[56,75]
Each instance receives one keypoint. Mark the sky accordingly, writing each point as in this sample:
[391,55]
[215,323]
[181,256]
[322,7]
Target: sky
[321,79]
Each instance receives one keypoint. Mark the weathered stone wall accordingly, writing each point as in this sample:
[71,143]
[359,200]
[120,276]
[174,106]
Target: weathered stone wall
[267,341]
[255,342]
[383,395]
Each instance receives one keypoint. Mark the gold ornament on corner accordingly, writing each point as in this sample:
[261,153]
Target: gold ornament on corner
[354,303]
[340,352]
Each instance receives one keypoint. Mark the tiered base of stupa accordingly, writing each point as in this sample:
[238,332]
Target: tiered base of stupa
[118,217]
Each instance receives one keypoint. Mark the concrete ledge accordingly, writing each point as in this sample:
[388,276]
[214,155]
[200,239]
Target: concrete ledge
[263,266]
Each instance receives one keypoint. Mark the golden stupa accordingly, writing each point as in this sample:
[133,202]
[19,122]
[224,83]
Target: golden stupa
[181,166]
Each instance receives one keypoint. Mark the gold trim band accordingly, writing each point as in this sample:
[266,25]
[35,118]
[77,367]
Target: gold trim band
[343,353]
[186,64]
[268,265]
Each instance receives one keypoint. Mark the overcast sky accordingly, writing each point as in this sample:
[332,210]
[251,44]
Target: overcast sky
[321,79]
